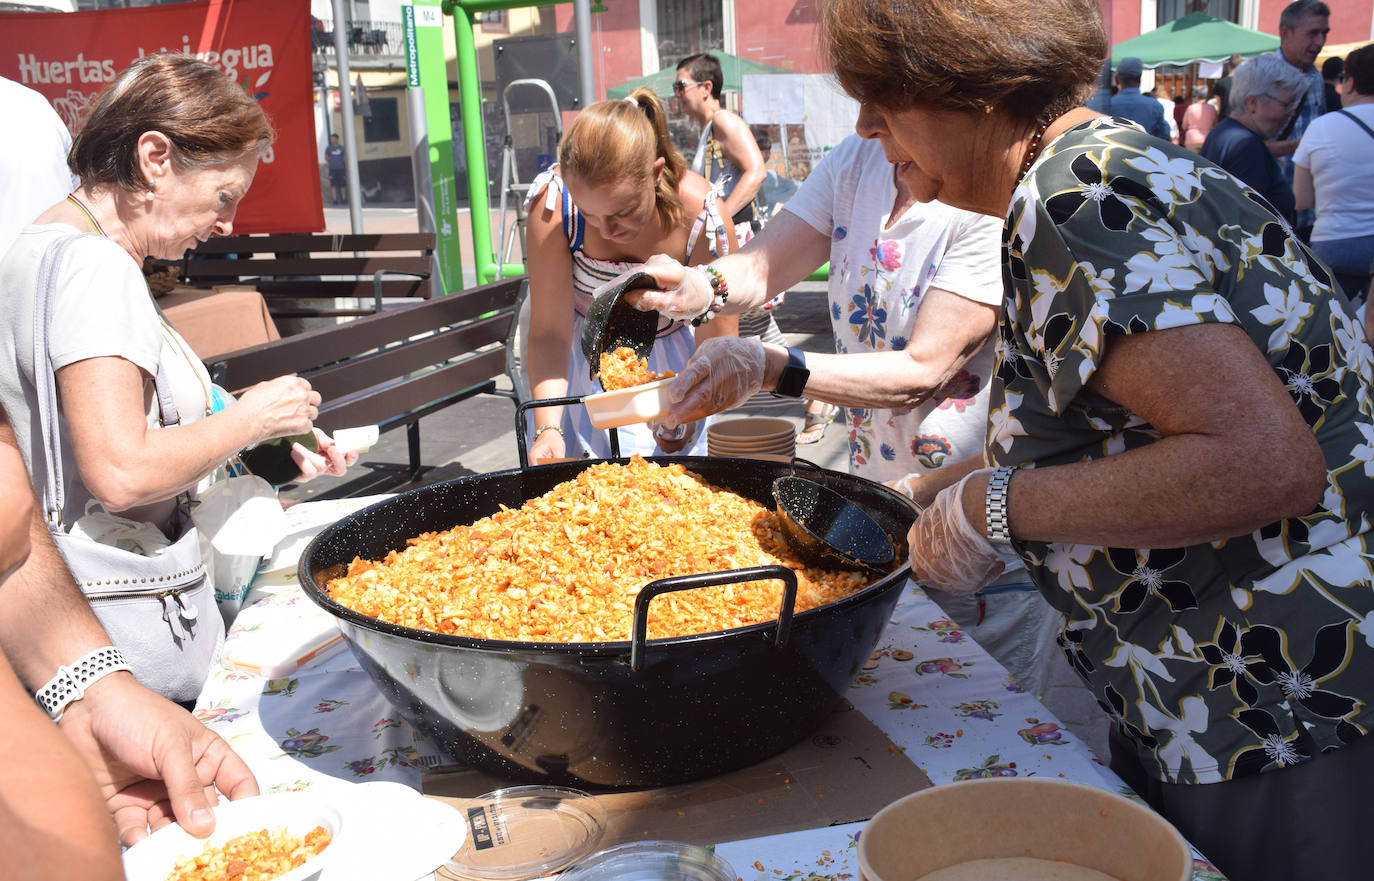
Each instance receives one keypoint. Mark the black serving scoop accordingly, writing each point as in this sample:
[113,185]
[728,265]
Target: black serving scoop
[612,322]
[827,529]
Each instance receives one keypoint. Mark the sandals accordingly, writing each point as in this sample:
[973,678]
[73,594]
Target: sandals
[816,423]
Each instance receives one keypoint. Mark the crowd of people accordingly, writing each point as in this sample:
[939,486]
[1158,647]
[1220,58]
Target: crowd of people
[1091,338]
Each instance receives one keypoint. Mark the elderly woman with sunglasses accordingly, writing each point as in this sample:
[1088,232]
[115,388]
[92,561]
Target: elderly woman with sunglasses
[1265,93]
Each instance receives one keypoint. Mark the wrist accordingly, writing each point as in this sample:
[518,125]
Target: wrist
[997,519]
[71,683]
[774,360]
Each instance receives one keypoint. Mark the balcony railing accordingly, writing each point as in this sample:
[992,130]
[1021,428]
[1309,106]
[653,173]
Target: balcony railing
[364,37]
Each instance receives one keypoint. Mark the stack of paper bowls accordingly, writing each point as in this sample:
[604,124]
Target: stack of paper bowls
[751,437]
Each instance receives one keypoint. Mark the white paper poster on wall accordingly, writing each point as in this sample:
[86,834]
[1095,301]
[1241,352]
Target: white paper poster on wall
[816,113]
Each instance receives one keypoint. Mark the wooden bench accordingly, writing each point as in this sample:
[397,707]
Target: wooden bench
[289,268]
[395,367]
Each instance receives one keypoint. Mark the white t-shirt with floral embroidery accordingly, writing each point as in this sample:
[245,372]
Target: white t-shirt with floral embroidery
[878,277]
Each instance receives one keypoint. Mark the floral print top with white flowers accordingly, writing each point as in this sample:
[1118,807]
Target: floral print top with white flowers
[1223,659]
[880,270]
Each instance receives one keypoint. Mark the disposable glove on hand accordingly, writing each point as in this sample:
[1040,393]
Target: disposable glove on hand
[723,373]
[948,552]
[683,293]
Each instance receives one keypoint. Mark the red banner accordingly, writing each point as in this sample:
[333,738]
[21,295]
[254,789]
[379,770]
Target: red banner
[264,45]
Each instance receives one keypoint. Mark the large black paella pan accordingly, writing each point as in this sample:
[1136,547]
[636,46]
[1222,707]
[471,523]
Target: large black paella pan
[611,714]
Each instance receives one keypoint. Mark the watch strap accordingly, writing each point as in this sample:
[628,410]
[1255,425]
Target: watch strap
[995,504]
[70,683]
[792,381]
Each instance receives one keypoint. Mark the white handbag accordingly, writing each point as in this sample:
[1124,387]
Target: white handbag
[159,611]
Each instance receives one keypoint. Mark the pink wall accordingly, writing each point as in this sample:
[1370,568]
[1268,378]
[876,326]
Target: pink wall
[1350,19]
[615,34]
[781,33]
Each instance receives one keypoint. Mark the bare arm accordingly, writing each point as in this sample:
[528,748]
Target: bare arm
[151,759]
[738,145]
[551,310]
[1304,194]
[784,253]
[1280,149]
[124,463]
[948,331]
[52,821]
[1226,420]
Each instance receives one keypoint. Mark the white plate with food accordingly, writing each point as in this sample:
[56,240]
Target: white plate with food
[288,836]
[380,830]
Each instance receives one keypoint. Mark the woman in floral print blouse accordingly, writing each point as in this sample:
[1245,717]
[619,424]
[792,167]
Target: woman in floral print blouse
[1186,402]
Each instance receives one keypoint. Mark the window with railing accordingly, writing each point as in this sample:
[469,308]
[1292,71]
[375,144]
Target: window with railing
[1172,10]
[361,37]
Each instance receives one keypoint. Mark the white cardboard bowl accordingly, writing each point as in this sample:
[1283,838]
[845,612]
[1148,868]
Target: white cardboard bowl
[638,403]
[153,858]
[1021,817]
[751,428]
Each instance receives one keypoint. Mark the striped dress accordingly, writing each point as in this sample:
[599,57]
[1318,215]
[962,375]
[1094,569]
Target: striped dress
[673,347]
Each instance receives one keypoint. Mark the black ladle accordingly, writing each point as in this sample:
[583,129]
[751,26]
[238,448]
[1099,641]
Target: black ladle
[825,528]
[612,322]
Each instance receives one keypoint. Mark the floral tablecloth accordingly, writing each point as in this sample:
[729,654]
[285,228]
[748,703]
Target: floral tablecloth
[939,696]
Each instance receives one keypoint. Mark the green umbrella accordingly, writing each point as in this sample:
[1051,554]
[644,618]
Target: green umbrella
[732,67]
[1195,37]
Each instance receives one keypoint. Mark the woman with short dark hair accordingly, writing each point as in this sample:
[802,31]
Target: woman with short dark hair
[1180,428]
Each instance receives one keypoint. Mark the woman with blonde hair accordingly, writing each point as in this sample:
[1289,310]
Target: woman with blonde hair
[619,194]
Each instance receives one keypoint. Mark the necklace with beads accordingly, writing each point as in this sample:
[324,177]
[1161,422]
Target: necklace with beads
[1033,149]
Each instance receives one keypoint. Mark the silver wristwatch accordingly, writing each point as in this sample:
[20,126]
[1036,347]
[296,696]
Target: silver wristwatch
[998,526]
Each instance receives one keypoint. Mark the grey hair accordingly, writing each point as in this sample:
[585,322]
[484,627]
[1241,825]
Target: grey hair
[1258,75]
[1296,11]
[1200,92]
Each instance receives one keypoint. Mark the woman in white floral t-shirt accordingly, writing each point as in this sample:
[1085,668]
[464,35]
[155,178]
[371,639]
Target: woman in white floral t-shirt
[914,294]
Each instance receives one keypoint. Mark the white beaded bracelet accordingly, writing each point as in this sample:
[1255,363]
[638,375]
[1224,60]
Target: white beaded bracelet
[70,683]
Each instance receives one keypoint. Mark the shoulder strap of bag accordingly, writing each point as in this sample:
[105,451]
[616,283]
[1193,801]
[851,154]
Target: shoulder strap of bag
[45,383]
[1358,121]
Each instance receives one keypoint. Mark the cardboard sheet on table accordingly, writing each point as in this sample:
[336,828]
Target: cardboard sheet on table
[845,772]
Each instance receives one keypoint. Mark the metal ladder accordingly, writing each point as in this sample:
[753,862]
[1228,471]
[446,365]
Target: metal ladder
[512,187]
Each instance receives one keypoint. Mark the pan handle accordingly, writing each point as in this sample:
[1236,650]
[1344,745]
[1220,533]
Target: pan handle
[639,634]
[520,442]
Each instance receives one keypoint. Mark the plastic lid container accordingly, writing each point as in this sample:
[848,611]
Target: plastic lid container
[652,861]
[638,403]
[527,832]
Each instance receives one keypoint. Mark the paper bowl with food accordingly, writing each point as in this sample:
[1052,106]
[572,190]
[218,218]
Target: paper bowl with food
[281,837]
[634,393]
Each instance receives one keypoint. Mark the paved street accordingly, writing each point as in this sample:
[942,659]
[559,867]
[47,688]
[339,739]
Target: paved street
[477,436]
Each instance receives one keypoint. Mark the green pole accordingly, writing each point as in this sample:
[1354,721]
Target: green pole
[427,68]
[470,100]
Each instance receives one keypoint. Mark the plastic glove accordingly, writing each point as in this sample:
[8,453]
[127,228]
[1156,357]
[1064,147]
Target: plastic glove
[948,552]
[683,293]
[723,373]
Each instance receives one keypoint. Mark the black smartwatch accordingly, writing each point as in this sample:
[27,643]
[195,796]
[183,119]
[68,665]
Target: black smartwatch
[792,381]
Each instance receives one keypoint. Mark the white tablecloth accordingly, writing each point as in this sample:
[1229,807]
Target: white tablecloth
[939,696]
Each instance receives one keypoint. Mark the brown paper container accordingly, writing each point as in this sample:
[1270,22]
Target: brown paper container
[1021,817]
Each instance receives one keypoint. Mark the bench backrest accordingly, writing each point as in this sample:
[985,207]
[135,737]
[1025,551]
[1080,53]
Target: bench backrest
[393,367]
[286,268]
